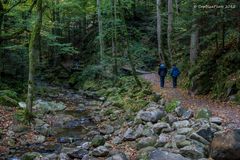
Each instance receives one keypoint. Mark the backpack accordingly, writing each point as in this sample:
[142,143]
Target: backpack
[175,72]
[162,70]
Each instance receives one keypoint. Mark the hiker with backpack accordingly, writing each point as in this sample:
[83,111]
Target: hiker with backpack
[162,72]
[174,73]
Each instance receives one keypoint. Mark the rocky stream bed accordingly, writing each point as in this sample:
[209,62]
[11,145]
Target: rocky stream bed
[80,125]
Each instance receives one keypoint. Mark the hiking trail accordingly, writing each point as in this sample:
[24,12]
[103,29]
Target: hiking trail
[230,113]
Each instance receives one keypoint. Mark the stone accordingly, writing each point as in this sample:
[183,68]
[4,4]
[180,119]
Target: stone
[139,130]
[205,132]
[63,156]
[86,145]
[163,139]
[49,106]
[97,140]
[78,154]
[118,156]
[184,131]
[199,138]
[30,156]
[180,111]
[171,118]
[187,115]
[179,138]
[117,140]
[181,124]
[39,139]
[216,120]
[192,152]
[164,155]
[146,142]
[144,153]
[151,114]
[184,143]
[22,105]
[100,151]
[129,135]
[226,145]
[106,129]
[203,113]
[157,128]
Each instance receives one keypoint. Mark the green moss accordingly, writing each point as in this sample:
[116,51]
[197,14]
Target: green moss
[8,98]
[171,106]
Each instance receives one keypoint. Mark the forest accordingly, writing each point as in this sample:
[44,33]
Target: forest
[119,79]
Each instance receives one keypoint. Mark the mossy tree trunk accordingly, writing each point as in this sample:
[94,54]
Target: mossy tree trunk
[100,29]
[114,39]
[159,31]
[33,52]
[170,28]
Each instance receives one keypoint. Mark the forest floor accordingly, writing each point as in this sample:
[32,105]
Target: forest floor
[226,110]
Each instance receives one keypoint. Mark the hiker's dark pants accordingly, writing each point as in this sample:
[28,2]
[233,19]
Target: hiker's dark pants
[162,79]
[174,82]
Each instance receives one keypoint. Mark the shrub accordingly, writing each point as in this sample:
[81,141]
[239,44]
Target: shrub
[171,106]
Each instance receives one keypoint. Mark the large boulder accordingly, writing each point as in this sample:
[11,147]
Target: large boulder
[226,145]
[164,155]
[151,114]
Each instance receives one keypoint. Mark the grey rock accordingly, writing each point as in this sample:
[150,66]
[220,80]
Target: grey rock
[216,120]
[151,114]
[49,106]
[171,118]
[146,142]
[205,132]
[157,128]
[184,143]
[181,124]
[187,115]
[129,135]
[117,140]
[199,138]
[184,131]
[164,155]
[100,151]
[144,153]
[163,139]
[63,156]
[193,152]
[180,111]
[118,156]
[106,129]
[78,154]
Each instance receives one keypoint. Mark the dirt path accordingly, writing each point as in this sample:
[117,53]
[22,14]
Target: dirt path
[229,112]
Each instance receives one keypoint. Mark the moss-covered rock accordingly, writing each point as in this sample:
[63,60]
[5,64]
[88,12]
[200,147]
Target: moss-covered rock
[97,140]
[203,113]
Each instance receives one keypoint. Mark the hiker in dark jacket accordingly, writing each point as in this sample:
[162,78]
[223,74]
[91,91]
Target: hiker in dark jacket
[174,73]
[162,72]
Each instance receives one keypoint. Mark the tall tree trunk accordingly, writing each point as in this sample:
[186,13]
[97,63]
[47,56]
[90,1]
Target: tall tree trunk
[223,35]
[194,44]
[170,28]
[177,7]
[100,29]
[114,38]
[159,31]
[33,51]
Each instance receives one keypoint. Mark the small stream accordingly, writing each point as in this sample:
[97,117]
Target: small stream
[72,132]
